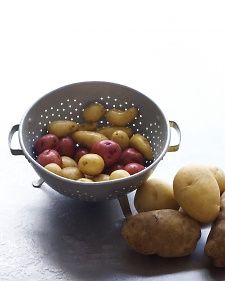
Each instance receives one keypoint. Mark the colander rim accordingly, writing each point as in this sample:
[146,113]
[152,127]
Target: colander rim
[88,184]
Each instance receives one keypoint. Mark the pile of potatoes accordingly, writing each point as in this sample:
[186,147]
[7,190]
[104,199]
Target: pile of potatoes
[88,152]
[170,216]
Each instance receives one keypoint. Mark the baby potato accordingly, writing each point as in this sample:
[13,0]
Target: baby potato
[155,194]
[93,112]
[62,128]
[85,180]
[141,144]
[117,117]
[166,233]
[87,138]
[121,138]
[108,131]
[91,126]
[91,164]
[101,177]
[72,173]
[197,192]
[68,162]
[54,168]
[118,174]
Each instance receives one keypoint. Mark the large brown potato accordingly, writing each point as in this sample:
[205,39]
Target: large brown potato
[215,246]
[197,192]
[166,233]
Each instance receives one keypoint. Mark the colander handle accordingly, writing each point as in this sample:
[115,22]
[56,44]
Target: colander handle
[14,129]
[175,147]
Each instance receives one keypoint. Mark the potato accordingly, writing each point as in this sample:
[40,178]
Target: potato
[91,164]
[166,233]
[118,174]
[85,180]
[87,126]
[141,144]
[49,156]
[121,138]
[93,112]
[87,138]
[155,194]
[48,141]
[117,117]
[108,131]
[62,128]
[54,168]
[72,173]
[101,177]
[68,162]
[197,192]
[215,246]
[219,176]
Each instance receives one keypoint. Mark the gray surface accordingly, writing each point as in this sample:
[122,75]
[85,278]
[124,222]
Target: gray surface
[46,236]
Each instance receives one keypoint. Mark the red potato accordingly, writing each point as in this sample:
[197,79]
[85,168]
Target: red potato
[109,150]
[48,141]
[133,168]
[79,152]
[131,155]
[66,147]
[49,156]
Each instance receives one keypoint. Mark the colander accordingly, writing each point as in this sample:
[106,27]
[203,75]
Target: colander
[67,103]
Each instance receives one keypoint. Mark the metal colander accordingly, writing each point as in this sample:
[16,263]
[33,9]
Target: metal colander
[67,103]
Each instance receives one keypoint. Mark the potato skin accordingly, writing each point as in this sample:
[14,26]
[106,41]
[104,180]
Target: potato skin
[166,233]
[219,176]
[197,192]
[87,138]
[117,117]
[215,246]
[155,194]
[121,138]
[109,130]
[141,144]
[62,128]
[87,126]
[93,112]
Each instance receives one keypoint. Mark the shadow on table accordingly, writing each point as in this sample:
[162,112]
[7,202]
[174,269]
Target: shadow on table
[84,240]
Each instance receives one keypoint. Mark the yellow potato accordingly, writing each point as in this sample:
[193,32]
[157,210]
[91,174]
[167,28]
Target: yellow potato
[68,162]
[121,138]
[93,112]
[72,173]
[140,143]
[197,192]
[91,164]
[219,176]
[85,180]
[87,138]
[101,177]
[108,131]
[117,117]
[155,194]
[62,128]
[118,174]
[54,168]
[87,126]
